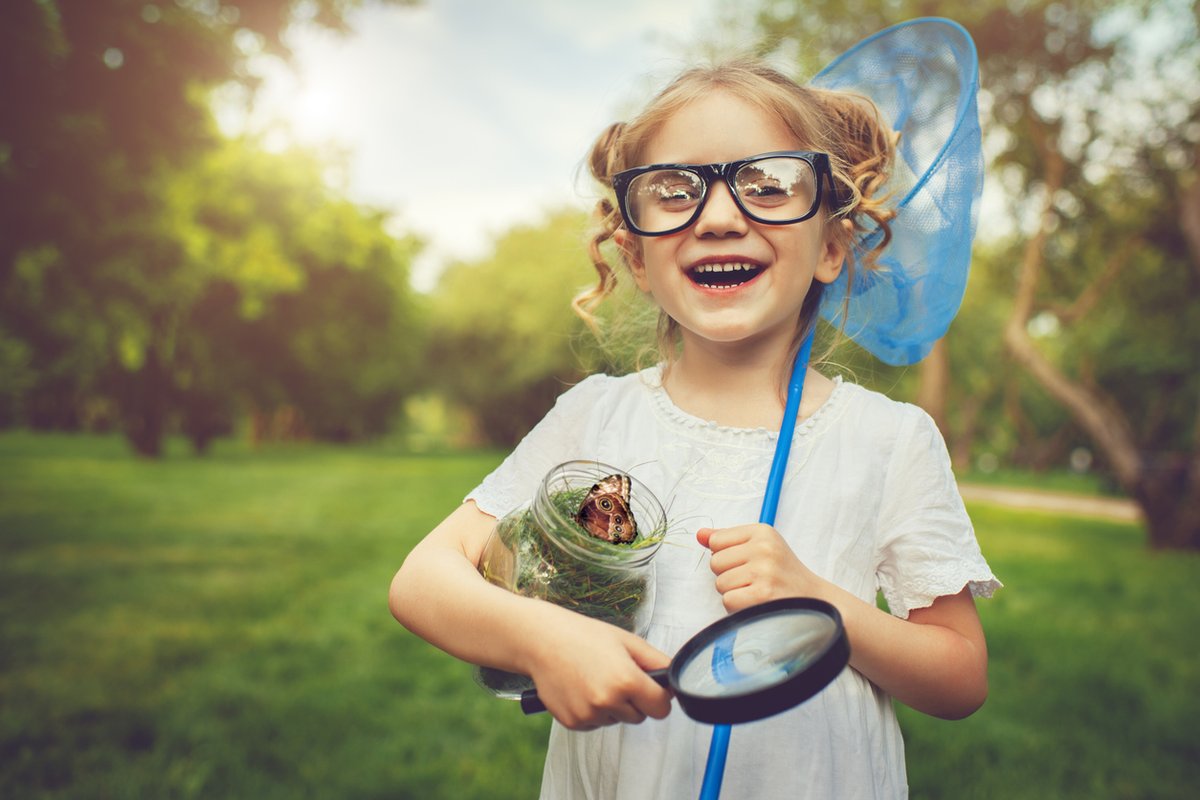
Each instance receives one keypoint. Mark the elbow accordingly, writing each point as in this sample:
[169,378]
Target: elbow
[962,690]
[394,604]
[970,700]
[976,699]
[963,697]
[398,602]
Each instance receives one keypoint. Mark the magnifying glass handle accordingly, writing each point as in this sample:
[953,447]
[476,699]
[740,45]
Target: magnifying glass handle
[532,704]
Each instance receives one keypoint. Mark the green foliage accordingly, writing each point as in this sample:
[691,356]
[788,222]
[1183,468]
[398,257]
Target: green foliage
[504,341]
[16,376]
[138,247]
[1105,94]
[218,628]
[305,301]
[1119,290]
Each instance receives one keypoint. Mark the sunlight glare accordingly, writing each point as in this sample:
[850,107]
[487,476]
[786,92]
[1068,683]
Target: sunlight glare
[315,102]
[316,114]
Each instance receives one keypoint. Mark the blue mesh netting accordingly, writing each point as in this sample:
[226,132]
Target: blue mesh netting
[923,75]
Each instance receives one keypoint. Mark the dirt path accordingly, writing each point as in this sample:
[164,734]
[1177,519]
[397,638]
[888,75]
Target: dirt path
[1081,505]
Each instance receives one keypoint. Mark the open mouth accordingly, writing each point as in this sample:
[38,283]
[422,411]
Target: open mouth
[723,276]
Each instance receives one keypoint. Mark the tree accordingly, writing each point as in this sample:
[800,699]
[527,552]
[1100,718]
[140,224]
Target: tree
[504,341]
[1106,254]
[1092,123]
[302,298]
[104,129]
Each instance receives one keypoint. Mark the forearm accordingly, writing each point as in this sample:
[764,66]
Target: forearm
[587,672]
[439,595]
[935,661]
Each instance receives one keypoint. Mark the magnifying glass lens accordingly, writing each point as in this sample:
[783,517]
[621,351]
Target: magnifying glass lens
[761,653]
[760,661]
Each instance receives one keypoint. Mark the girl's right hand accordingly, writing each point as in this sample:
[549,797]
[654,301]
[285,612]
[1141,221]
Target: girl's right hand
[590,674]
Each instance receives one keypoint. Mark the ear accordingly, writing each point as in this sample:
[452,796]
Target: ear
[631,249]
[833,251]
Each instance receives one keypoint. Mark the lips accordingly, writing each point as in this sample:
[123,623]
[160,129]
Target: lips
[723,276]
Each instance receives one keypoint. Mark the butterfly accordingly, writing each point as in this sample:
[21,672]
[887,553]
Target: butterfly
[605,511]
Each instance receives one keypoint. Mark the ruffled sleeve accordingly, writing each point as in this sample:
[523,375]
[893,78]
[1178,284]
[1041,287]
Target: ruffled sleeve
[927,545]
[555,439]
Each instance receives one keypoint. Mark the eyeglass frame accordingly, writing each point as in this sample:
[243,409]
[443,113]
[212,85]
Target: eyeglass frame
[726,171]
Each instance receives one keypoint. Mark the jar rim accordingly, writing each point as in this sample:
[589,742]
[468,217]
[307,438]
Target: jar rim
[580,473]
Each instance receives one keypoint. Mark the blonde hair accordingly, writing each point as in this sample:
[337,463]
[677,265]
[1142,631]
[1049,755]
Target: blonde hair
[846,126]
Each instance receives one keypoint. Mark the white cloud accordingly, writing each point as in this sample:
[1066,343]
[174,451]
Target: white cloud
[613,24]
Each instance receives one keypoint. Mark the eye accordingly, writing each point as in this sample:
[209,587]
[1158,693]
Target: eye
[786,184]
[670,190]
[763,190]
[606,504]
[669,195]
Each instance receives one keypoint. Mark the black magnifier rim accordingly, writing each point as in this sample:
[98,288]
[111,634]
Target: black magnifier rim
[762,702]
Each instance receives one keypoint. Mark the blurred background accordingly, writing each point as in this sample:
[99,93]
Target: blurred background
[280,280]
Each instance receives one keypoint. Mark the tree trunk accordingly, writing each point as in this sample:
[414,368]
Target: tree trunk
[963,442]
[935,384]
[1029,438]
[1189,217]
[1169,494]
[144,400]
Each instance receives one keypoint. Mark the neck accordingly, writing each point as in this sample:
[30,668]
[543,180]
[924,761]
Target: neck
[738,385]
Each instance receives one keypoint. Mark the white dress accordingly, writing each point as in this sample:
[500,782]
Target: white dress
[869,502]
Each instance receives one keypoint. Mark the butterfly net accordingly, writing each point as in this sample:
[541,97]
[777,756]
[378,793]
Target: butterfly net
[923,76]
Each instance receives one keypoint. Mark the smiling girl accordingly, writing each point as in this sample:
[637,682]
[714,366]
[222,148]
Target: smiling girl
[735,198]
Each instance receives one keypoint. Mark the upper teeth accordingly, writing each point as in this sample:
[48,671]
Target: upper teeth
[724,267]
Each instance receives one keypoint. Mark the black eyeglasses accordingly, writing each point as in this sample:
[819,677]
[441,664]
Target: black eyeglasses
[774,188]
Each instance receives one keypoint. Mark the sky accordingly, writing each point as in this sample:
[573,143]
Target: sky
[462,118]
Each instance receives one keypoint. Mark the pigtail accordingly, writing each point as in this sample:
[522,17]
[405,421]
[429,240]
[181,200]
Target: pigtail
[863,150]
[606,219]
[848,127]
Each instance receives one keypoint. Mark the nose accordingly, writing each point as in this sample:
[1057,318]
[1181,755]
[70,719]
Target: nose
[721,215]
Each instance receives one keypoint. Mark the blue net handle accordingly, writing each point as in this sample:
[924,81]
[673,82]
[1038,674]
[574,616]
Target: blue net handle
[718,748]
[923,75]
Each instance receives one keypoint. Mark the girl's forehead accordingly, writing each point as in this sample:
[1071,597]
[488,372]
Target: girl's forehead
[715,127]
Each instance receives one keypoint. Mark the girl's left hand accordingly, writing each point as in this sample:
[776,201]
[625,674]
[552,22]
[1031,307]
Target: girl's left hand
[753,564]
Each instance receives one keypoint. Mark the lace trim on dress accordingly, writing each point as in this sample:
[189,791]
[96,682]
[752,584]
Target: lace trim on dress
[493,502]
[652,380]
[719,461]
[922,592]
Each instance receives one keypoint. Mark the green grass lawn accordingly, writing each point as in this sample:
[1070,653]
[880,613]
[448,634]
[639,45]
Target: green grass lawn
[218,628]
[1095,670]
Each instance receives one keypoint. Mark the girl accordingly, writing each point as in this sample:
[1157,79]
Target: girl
[735,249]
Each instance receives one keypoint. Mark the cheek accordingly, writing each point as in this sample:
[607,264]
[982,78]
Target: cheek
[654,261]
[634,254]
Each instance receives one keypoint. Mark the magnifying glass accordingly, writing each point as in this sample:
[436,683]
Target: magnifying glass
[753,664]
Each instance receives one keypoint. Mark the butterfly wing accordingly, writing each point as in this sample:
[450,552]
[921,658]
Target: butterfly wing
[605,511]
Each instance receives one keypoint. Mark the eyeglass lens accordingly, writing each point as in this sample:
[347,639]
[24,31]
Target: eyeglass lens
[778,189]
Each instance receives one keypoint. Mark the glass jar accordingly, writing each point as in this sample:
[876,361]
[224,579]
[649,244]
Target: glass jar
[540,551]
